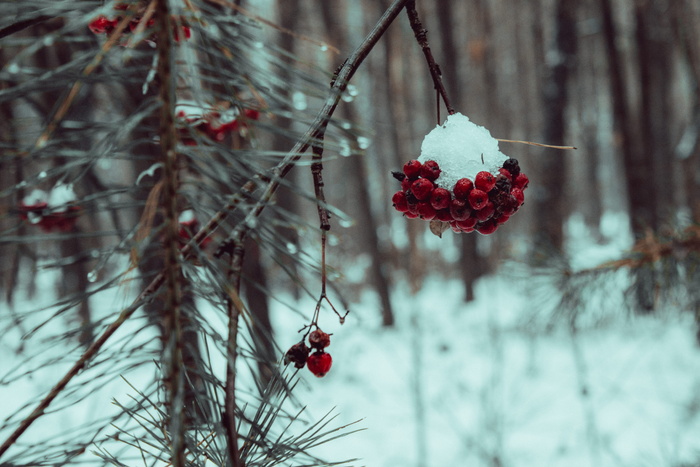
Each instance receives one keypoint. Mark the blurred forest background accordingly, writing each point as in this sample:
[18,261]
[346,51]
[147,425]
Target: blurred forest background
[618,79]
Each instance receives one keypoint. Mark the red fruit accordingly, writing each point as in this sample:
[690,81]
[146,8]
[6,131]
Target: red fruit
[400,202]
[426,211]
[484,181]
[509,205]
[488,227]
[478,199]
[410,215]
[519,195]
[506,173]
[186,32]
[422,188]
[459,209]
[406,184]
[502,219]
[462,188]
[521,181]
[468,223]
[319,363]
[440,198]
[444,215]
[486,212]
[297,354]
[412,169]
[319,339]
[430,170]
[100,25]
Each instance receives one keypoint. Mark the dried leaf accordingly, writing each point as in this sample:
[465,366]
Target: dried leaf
[438,227]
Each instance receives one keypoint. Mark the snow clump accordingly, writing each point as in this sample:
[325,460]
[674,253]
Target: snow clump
[458,147]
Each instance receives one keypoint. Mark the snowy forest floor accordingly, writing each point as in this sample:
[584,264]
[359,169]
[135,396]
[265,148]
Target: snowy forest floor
[478,383]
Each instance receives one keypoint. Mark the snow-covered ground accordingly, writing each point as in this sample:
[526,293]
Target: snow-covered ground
[456,384]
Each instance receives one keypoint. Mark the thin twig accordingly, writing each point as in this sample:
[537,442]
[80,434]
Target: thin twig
[422,38]
[273,180]
[535,144]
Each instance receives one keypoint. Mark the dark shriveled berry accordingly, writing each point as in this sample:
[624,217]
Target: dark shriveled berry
[460,210]
[512,166]
[297,354]
[398,175]
[319,339]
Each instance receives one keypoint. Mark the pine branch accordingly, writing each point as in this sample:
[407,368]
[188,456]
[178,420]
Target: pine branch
[346,72]
[175,379]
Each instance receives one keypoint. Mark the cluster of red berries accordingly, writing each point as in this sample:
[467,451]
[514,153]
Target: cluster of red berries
[214,125]
[104,25]
[50,219]
[319,362]
[481,204]
[189,226]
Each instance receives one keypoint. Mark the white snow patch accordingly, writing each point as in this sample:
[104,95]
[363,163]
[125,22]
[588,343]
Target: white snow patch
[462,149]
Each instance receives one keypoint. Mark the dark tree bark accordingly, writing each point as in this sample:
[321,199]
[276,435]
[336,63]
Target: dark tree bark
[550,202]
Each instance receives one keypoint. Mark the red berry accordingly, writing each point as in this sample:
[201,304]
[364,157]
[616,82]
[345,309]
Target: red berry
[484,181]
[519,195]
[422,188]
[468,223]
[319,339]
[410,215]
[462,188]
[100,25]
[430,170]
[502,219]
[440,198]
[506,173]
[400,202]
[319,363]
[488,227]
[478,199]
[297,354]
[486,212]
[459,209]
[426,211]
[521,181]
[443,215]
[406,184]
[412,169]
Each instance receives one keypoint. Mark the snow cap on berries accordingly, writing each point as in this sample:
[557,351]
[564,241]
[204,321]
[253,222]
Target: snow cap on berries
[457,146]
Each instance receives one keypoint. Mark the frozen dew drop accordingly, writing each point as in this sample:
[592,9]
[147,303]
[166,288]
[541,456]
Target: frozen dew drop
[33,217]
[251,222]
[13,68]
[346,125]
[324,48]
[345,149]
[42,174]
[21,184]
[95,253]
[292,248]
[48,41]
[92,276]
[333,240]
[347,97]
[363,142]
[352,90]
[258,44]
[345,222]
[299,100]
